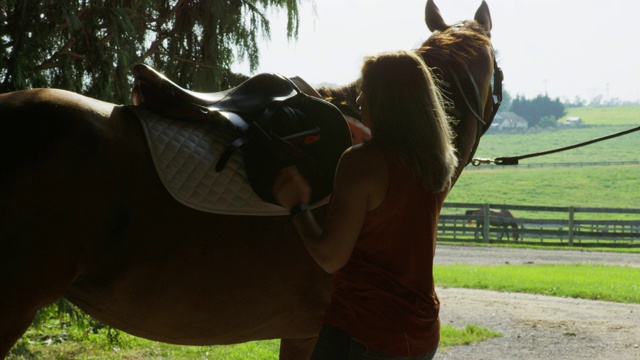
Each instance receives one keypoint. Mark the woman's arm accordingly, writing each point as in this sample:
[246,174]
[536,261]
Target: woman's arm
[355,181]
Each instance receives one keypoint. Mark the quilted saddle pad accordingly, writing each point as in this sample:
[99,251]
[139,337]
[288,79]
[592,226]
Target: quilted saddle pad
[185,155]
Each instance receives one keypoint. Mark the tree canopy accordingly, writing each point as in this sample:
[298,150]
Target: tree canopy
[89,46]
[540,107]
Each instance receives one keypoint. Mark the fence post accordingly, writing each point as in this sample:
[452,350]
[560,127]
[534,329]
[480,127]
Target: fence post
[486,223]
[571,224]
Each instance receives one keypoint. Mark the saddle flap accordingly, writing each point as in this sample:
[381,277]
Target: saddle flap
[312,135]
[236,120]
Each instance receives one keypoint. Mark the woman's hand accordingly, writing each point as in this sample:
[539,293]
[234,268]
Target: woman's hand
[290,188]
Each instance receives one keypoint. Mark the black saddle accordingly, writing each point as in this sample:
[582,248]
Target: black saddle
[274,123]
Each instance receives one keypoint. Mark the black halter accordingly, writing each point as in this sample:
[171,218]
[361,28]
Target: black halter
[477,111]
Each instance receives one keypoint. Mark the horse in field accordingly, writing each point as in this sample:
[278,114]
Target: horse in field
[84,215]
[502,218]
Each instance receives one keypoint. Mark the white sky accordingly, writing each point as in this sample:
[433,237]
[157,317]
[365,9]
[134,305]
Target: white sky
[566,48]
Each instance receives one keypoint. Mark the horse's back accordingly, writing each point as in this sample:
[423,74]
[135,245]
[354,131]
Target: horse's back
[42,104]
[36,122]
[85,216]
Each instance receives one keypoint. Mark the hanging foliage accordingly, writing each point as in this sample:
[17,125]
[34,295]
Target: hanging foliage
[89,46]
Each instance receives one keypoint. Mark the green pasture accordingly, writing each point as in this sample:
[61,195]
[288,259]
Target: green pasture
[597,122]
[623,148]
[592,186]
[556,183]
[618,115]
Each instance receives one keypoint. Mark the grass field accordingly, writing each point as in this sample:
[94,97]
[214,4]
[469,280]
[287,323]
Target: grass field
[618,115]
[597,122]
[594,186]
[612,186]
[624,148]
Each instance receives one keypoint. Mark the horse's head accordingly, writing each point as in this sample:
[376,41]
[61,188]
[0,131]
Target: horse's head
[462,56]
[472,212]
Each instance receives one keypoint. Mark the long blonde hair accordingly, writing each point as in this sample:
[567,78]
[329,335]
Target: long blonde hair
[407,115]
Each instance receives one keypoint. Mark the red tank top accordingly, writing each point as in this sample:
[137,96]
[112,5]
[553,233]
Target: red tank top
[384,296]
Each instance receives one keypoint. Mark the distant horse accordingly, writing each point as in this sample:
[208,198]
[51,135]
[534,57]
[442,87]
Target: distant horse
[84,215]
[502,217]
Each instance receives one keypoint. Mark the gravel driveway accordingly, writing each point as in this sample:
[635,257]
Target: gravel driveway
[537,326]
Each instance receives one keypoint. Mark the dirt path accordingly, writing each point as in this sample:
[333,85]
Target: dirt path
[536,326]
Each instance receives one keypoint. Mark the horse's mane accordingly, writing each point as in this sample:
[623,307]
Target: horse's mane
[343,97]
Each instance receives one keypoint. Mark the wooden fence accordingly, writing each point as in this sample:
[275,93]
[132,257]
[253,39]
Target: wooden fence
[540,224]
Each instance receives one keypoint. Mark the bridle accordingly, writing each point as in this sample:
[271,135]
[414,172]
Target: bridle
[477,110]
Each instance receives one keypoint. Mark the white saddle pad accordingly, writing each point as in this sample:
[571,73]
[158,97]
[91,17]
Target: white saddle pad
[185,155]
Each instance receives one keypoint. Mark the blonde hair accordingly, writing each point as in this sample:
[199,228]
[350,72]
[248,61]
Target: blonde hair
[407,116]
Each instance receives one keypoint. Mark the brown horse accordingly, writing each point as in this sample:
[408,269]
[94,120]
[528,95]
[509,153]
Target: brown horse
[502,218]
[84,215]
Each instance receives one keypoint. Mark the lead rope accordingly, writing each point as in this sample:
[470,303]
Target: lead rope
[514,160]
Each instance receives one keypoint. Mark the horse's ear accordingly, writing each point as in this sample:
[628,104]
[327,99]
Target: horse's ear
[483,16]
[433,18]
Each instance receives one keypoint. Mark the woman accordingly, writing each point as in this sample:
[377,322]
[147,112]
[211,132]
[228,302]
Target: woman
[379,237]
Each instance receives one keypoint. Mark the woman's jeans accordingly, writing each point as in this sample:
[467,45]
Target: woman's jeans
[336,344]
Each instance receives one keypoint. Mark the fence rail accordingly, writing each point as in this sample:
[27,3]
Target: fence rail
[539,226]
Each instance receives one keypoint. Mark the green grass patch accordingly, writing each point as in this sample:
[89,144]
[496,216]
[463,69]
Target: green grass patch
[129,347]
[597,282]
[452,336]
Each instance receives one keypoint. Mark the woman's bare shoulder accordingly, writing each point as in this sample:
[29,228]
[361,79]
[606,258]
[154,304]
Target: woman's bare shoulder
[365,153]
[366,165]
